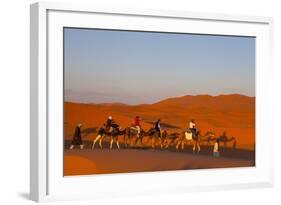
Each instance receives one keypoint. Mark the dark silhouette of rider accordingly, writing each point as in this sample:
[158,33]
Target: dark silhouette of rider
[112,124]
[158,127]
[192,127]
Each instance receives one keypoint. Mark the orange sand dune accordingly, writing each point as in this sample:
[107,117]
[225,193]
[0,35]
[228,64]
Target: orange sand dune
[234,114]
[82,166]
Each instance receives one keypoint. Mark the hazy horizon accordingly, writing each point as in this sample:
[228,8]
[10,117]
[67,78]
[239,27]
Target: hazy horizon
[106,66]
[100,103]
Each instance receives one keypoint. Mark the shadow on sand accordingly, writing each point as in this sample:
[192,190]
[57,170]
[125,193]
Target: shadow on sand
[205,150]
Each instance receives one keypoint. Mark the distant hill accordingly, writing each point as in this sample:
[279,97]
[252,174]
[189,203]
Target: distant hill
[234,114]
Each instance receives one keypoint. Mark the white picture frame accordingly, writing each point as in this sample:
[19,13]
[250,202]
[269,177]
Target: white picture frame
[46,178]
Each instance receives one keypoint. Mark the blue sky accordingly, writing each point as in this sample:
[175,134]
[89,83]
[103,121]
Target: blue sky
[133,67]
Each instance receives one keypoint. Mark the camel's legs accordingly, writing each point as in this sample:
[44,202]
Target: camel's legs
[162,143]
[100,141]
[172,142]
[194,146]
[182,145]
[95,141]
[115,139]
[111,142]
[117,142]
[132,141]
[128,141]
[179,142]
[152,142]
[166,144]
[136,141]
[140,138]
[177,146]
[125,141]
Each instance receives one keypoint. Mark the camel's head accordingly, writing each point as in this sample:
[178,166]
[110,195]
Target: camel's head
[210,134]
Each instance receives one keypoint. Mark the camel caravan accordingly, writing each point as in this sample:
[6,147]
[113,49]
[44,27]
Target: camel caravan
[135,134]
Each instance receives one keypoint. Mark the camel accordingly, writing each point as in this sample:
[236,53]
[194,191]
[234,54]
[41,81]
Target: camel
[153,134]
[164,140]
[224,139]
[131,132]
[101,134]
[173,137]
[113,133]
[168,139]
[186,137]
[208,138]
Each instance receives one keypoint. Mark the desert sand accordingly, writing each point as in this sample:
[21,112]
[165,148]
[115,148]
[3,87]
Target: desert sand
[97,161]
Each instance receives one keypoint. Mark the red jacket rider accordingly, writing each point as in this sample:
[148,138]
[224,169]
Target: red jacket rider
[137,121]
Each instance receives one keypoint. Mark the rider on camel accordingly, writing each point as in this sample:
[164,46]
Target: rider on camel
[112,124]
[137,124]
[192,127]
[158,127]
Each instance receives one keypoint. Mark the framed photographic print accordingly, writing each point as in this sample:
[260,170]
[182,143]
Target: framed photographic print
[123,98]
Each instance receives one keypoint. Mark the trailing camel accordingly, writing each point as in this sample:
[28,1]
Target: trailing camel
[208,138]
[225,140]
[211,137]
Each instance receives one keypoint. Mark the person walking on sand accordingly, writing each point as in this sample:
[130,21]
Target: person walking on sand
[77,139]
[137,125]
[216,152]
